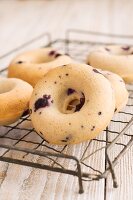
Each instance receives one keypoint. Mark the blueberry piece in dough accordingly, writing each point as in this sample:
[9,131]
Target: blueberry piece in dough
[67,138]
[51,53]
[42,102]
[57,55]
[126,48]
[19,62]
[70,91]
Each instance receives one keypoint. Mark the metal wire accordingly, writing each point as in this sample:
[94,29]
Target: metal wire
[24,140]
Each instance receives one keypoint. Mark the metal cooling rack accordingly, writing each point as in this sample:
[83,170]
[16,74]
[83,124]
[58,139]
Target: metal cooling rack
[20,144]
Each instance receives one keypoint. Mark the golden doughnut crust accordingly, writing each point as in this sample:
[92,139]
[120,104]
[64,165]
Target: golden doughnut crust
[72,104]
[120,91]
[114,58]
[31,66]
[14,99]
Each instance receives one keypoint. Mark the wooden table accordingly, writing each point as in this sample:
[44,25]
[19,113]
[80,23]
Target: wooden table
[23,20]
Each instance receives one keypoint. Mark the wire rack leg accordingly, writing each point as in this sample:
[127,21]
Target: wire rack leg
[81,190]
[115,184]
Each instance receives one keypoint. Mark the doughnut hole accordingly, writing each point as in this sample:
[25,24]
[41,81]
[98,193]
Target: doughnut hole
[73,103]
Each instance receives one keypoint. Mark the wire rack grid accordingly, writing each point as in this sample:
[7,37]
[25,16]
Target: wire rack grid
[20,144]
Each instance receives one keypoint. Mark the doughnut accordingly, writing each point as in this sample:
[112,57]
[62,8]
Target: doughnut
[120,91]
[71,104]
[33,65]
[114,58]
[14,99]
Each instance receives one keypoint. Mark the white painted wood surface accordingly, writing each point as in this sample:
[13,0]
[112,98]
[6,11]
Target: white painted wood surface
[21,21]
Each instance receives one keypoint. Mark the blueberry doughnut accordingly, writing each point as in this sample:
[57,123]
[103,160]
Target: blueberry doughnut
[120,91]
[14,99]
[33,65]
[114,58]
[72,104]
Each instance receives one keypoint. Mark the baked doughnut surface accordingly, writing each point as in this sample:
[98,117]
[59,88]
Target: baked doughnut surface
[120,91]
[114,58]
[72,104]
[31,66]
[14,99]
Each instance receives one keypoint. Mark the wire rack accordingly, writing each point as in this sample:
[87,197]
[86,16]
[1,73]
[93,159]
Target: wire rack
[20,144]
